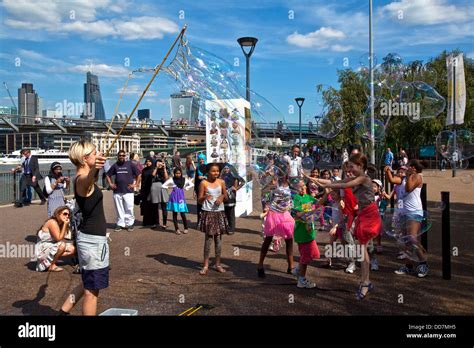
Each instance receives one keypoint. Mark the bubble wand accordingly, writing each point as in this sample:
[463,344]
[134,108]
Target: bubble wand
[157,70]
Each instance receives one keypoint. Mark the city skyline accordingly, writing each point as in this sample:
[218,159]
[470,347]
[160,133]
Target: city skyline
[301,44]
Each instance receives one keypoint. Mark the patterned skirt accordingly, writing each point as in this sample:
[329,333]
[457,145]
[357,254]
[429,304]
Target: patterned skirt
[213,223]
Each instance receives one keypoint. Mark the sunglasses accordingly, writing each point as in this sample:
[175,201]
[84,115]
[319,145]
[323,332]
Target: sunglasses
[65,214]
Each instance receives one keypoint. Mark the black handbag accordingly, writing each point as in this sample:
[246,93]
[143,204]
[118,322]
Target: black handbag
[137,199]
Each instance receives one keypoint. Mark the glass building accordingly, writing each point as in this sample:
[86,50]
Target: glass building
[93,108]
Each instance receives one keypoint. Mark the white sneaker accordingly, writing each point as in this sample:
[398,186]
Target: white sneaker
[351,268]
[305,283]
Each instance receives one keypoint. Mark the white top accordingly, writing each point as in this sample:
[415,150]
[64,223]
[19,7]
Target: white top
[211,206]
[47,184]
[411,201]
[295,166]
[188,183]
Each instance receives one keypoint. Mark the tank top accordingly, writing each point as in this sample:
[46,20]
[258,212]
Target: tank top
[92,209]
[412,202]
[211,206]
[364,194]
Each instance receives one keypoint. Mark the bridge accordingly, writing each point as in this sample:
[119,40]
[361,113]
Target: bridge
[27,124]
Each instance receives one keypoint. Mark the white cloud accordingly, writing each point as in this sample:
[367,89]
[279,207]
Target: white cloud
[341,48]
[427,12]
[137,90]
[320,39]
[100,69]
[82,17]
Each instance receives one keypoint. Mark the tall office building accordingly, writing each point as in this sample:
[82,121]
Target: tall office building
[27,102]
[184,105]
[93,106]
[144,114]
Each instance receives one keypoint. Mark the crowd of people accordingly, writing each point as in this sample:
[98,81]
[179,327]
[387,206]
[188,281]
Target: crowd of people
[347,202]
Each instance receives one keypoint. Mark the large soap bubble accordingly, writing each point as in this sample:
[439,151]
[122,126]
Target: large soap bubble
[331,118]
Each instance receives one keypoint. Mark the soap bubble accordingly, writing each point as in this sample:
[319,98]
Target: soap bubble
[457,148]
[395,225]
[331,118]
[466,178]
[363,127]
[308,164]
[427,102]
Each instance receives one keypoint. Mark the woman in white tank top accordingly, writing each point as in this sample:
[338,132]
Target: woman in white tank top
[411,215]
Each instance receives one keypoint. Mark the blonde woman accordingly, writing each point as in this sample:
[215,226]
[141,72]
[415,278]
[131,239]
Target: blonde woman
[92,247]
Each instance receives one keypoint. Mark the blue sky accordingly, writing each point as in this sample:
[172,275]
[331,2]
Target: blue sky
[301,43]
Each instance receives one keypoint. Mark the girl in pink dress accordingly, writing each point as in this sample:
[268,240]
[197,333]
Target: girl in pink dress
[278,223]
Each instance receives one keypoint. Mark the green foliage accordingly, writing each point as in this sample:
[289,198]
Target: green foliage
[400,132]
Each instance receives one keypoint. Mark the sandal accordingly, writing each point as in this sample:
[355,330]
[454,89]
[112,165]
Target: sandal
[185,231]
[220,269]
[56,269]
[178,232]
[360,295]
[203,271]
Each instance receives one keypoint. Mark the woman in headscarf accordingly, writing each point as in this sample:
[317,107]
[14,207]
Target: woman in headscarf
[200,176]
[149,210]
[54,185]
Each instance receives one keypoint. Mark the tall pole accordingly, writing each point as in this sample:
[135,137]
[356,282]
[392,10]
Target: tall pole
[371,66]
[300,127]
[247,59]
[455,157]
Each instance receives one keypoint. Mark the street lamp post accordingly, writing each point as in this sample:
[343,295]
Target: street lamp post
[247,42]
[299,102]
[372,97]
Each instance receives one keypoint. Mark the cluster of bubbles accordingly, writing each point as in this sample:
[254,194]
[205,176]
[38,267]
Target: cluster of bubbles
[456,147]
[330,117]
[400,90]
[395,226]
[210,77]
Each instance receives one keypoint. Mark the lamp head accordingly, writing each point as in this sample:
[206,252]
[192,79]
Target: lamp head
[299,101]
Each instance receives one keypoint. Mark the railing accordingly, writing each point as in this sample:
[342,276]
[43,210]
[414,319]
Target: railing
[10,184]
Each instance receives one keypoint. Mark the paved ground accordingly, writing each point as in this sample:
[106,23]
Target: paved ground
[156,271]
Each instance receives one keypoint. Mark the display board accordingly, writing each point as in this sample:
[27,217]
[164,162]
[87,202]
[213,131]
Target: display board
[225,142]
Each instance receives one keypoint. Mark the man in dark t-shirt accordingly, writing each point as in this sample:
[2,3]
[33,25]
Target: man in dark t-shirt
[126,175]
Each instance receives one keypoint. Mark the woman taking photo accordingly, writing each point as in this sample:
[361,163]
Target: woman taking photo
[55,184]
[92,247]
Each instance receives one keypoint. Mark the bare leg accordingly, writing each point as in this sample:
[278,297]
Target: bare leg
[89,306]
[73,298]
[207,252]
[263,252]
[289,253]
[302,269]
[413,229]
[365,269]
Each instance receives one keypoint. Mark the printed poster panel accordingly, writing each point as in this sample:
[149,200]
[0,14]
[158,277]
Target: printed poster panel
[225,142]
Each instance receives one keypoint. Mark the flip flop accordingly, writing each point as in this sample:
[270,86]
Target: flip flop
[203,271]
[57,269]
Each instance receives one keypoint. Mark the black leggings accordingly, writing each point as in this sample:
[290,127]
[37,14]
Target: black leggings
[175,220]
[164,213]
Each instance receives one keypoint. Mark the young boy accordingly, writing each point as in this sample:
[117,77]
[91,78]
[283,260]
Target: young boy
[304,235]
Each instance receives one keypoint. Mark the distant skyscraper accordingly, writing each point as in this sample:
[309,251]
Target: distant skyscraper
[27,102]
[184,105]
[93,108]
[144,114]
